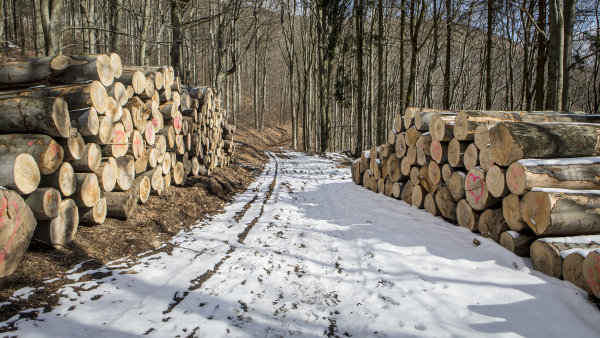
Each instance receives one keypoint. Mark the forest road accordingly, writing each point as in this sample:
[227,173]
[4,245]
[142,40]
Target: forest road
[305,252]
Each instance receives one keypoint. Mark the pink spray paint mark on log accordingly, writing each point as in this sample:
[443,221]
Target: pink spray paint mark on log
[475,179]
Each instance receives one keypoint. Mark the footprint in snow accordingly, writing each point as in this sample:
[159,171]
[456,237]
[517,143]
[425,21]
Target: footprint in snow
[420,327]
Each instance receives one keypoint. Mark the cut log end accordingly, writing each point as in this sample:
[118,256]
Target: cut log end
[18,225]
[591,272]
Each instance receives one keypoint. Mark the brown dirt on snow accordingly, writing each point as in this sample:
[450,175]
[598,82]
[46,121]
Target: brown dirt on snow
[151,224]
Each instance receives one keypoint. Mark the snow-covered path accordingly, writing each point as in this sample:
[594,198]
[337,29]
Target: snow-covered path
[306,252]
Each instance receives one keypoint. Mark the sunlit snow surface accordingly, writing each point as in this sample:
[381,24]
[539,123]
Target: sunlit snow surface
[324,257]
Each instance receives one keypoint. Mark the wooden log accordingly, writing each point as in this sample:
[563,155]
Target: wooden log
[466,216]
[119,145]
[375,167]
[411,135]
[178,174]
[91,159]
[512,213]
[113,110]
[61,230]
[47,153]
[562,212]
[397,188]
[116,65]
[441,127]
[511,142]
[399,123]
[572,269]
[434,173]
[395,172]
[486,158]
[482,136]
[120,204]
[572,173]
[380,186]
[365,159]
[411,155]
[137,144]
[87,191]
[17,225]
[445,203]
[136,79]
[400,145]
[85,121]
[439,151]
[48,116]
[496,182]
[423,116]
[456,185]
[471,157]
[61,69]
[19,172]
[166,163]
[476,191]
[408,117]
[366,179]
[63,180]
[167,180]
[149,133]
[119,92]
[44,203]
[73,147]
[95,215]
[425,181]
[446,172]
[415,172]
[491,224]
[372,183]
[155,177]
[107,174]
[391,138]
[354,170]
[105,131]
[125,173]
[547,254]
[80,96]
[418,196]
[144,188]
[430,205]
[196,170]
[467,121]
[516,242]
[591,272]
[456,152]
[141,163]
[423,147]
[406,194]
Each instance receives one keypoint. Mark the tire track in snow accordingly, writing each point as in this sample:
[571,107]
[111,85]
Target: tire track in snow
[197,282]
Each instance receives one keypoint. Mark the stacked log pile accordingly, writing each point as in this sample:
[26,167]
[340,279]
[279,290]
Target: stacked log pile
[519,178]
[83,138]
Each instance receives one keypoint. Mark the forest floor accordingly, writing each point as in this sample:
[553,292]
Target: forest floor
[302,251]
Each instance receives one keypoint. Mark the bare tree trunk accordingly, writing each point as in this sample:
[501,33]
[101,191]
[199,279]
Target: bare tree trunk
[143,56]
[381,132]
[51,13]
[555,53]
[569,22]
[116,25]
[488,54]
[541,57]
[447,76]
[359,6]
